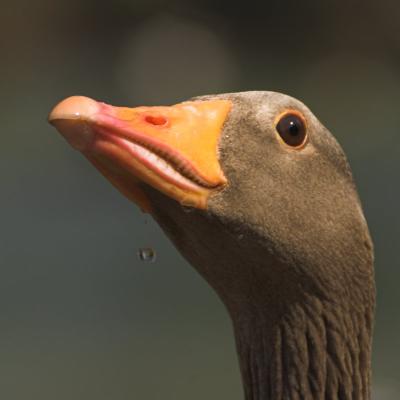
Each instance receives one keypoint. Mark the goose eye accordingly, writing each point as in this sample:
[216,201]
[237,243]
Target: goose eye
[292,129]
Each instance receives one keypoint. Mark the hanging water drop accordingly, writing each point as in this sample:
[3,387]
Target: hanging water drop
[187,209]
[147,254]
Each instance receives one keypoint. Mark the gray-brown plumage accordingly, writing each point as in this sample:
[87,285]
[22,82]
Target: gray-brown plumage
[286,247]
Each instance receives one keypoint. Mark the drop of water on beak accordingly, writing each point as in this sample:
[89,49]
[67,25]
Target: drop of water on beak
[187,209]
[147,254]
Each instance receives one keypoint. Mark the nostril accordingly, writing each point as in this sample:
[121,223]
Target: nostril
[156,119]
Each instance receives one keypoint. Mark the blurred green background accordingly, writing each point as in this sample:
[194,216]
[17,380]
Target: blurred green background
[80,316]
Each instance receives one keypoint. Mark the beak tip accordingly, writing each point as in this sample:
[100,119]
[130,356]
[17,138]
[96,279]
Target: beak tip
[71,117]
[74,107]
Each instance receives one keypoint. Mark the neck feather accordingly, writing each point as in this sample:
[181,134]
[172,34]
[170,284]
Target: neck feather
[301,299]
[317,350]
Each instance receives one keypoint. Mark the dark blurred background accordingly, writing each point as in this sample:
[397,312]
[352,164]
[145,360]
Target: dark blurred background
[80,316]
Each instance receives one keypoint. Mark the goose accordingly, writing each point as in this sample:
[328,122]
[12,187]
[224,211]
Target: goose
[275,227]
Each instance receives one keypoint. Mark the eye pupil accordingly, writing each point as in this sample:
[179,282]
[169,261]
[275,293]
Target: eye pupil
[292,129]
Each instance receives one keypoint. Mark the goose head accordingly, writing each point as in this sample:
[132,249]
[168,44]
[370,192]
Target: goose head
[258,196]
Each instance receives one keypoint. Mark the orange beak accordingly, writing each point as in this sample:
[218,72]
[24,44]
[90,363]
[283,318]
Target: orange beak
[173,149]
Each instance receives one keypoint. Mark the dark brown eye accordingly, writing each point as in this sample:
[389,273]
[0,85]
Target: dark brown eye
[292,129]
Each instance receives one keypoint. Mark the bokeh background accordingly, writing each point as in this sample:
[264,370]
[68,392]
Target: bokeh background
[80,316]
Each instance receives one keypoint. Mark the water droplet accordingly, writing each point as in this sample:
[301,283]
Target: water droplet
[188,202]
[187,209]
[147,254]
